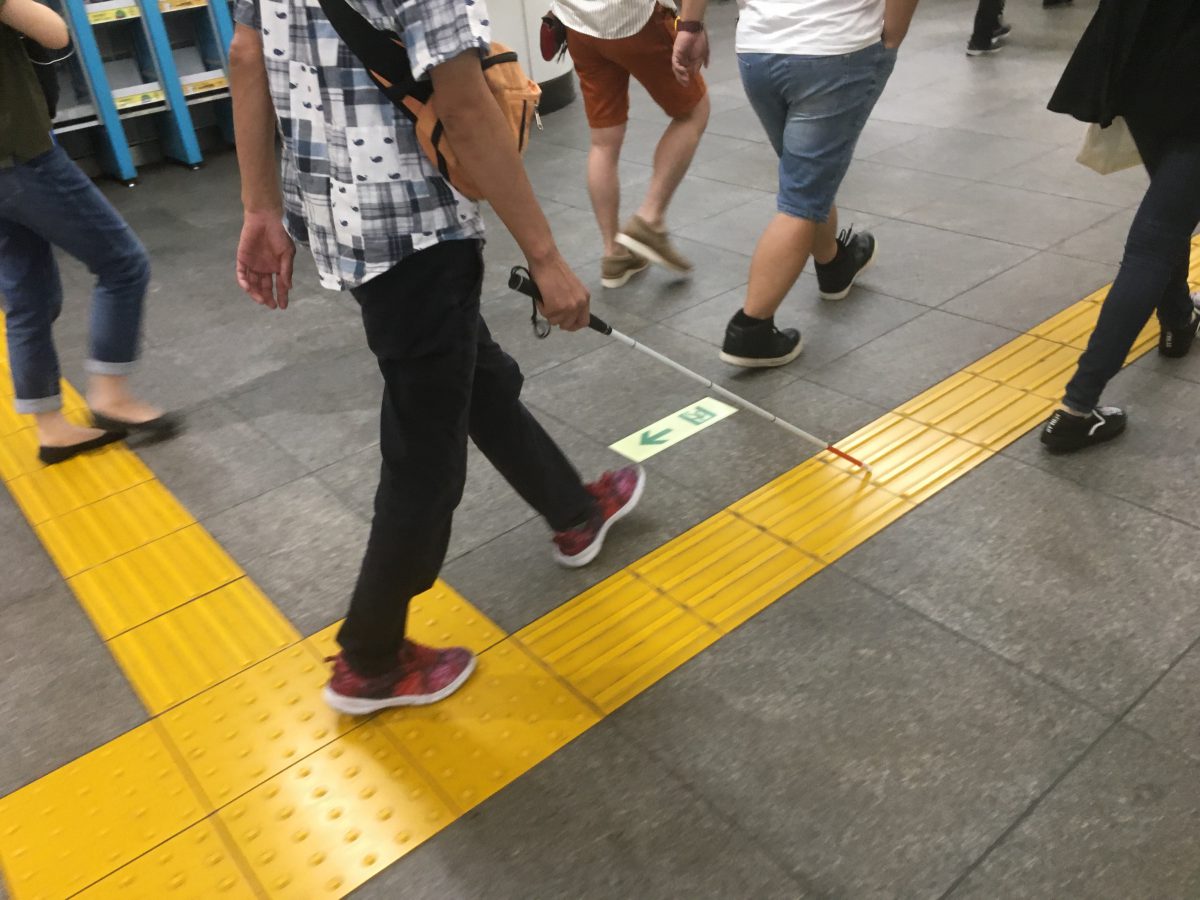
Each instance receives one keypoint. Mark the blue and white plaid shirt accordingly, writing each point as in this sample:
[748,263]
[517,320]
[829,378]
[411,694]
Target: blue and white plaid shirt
[357,188]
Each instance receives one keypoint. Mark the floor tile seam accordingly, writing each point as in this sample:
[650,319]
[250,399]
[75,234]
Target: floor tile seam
[984,182]
[735,823]
[544,664]
[234,846]
[166,612]
[1098,489]
[591,705]
[1028,812]
[688,611]
[1117,207]
[227,843]
[1062,690]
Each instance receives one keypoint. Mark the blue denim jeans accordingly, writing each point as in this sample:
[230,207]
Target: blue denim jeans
[49,202]
[813,109]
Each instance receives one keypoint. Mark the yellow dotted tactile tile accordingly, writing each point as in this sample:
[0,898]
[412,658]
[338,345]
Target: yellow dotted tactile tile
[153,579]
[89,818]
[615,640]
[194,865]
[726,570]
[510,716]
[287,774]
[330,822]
[177,655]
[111,527]
[253,726]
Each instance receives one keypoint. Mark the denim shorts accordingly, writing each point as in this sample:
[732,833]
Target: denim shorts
[813,109]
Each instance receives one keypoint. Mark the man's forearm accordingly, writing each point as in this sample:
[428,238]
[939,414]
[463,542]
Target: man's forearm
[897,16]
[482,142]
[254,126]
[693,10]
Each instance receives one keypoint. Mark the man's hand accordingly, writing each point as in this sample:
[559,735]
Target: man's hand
[690,54]
[264,260]
[565,301]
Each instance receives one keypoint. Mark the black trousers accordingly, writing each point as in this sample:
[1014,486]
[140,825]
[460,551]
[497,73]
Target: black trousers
[987,19]
[445,379]
[1154,268]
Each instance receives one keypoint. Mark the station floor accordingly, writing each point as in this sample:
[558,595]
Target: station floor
[973,676]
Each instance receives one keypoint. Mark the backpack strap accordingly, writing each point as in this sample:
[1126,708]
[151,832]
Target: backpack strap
[381,52]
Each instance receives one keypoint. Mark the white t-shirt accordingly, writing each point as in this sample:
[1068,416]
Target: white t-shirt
[809,27]
[608,19]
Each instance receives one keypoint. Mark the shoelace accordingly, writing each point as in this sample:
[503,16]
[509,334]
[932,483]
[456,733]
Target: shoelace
[845,236]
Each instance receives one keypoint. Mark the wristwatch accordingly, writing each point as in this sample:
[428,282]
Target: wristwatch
[688,25]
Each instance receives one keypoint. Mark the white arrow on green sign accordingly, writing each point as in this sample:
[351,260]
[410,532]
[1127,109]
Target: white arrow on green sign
[678,426]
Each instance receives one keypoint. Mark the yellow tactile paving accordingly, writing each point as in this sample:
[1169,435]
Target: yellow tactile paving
[89,818]
[726,570]
[1072,326]
[177,655]
[510,716]
[54,491]
[194,865]
[254,725]
[111,527]
[309,804]
[330,822]
[153,579]
[615,640]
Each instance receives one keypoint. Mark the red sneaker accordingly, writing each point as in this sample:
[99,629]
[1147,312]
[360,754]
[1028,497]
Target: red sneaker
[425,675]
[616,493]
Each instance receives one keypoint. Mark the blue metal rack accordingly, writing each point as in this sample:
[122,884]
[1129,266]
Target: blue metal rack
[168,56]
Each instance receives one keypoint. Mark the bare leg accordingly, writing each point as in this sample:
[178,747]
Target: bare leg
[825,242]
[604,184]
[110,396]
[54,430]
[779,258]
[672,158]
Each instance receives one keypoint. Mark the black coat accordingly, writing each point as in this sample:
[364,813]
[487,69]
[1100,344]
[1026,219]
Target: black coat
[1140,58]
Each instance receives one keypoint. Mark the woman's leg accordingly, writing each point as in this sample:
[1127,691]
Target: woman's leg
[30,283]
[1159,239]
[96,235]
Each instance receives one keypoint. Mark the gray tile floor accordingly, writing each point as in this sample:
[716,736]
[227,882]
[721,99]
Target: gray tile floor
[994,697]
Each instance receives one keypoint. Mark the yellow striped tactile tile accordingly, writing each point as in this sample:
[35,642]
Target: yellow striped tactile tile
[244,784]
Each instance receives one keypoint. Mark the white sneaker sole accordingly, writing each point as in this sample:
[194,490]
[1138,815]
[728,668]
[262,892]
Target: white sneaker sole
[624,279]
[841,295]
[755,362]
[361,706]
[648,252]
[579,560]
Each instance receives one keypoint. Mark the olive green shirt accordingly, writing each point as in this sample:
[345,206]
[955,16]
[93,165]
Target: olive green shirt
[24,119]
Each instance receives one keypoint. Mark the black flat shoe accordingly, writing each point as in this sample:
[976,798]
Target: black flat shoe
[165,426]
[52,455]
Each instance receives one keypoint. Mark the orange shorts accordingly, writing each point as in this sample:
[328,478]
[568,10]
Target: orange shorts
[604,67]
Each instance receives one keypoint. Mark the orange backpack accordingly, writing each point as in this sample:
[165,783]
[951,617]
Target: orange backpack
[386,60]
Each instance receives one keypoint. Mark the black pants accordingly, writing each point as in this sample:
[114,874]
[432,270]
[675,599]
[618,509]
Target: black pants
[445,379]
[1153,274]
[987,20]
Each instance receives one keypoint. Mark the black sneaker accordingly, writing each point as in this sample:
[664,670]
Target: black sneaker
[1002,31]
[855,253]
[1174,343]
[759,344]
[1065,432]
[985,47]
